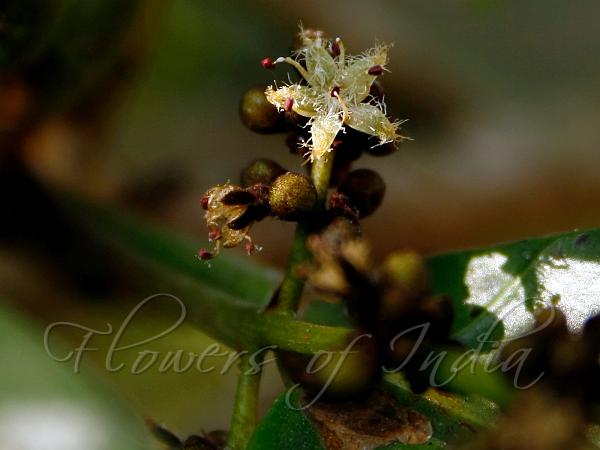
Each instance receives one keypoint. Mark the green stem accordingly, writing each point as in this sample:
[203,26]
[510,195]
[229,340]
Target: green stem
[246,399]
[297,336]
[321,174]
[245,409]
[293,285]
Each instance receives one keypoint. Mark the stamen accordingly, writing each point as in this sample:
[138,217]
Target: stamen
[214,234]
[340,45]
[296,65]
[289,103]
[268,63]
[205,255]
[335,49]
[335,92]
[204,202]
[375,70]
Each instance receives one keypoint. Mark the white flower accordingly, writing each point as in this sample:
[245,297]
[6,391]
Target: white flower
[336,91]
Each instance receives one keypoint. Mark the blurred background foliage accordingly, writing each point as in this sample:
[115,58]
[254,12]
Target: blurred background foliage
[135,103]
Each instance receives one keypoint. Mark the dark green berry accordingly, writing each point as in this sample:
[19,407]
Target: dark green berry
[195,442]
[260,171]
[382,150]
[257,113]
[346,150]
[365,189]
[292,196]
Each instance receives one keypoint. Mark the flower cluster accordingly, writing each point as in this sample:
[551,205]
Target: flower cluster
[337,107]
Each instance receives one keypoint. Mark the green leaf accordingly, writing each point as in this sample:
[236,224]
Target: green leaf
[223,297]
[509,281]
[285,428]
[43,404]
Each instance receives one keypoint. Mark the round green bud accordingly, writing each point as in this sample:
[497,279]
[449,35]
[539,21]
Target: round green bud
[406,278]
[365,189]
[292,196]
[257,113]
[262,170]
[407,269]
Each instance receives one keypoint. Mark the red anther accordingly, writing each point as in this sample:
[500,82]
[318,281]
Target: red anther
[375,70]
[289,102]
[335,49]
[205,255]
[250,248]
[267,63]
[336,144]
[335,91]
[204,202]
[214,235]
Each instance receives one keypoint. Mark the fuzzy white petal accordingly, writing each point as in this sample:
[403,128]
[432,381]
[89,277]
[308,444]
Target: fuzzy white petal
[371,120]
[323,130]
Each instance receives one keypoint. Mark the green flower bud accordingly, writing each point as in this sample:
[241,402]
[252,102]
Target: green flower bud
[365,189]
[405,275]
[407,270]
[260,171]
[257,113]
[292,196]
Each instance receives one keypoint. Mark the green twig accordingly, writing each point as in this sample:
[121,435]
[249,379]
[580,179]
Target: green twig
[293,284]
[287,333]
[321,174]
[244,416]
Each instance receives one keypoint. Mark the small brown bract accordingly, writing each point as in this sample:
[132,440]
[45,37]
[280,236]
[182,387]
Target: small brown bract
[369,423]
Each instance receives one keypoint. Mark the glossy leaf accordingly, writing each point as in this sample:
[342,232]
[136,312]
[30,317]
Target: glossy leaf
[223,297]
[509,281]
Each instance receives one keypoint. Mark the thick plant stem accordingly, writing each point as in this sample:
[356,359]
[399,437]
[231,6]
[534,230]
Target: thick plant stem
[293,285]
[244,417]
